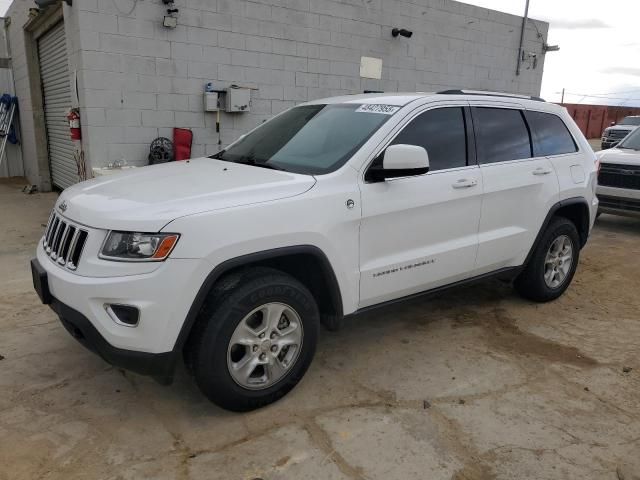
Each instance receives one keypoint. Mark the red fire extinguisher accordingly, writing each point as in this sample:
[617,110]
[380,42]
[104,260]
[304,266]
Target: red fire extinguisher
[74,124]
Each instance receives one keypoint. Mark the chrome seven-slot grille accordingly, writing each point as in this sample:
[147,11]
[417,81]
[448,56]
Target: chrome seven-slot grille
[63,242]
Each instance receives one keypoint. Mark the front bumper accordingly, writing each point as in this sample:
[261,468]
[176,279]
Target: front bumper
[157,365]
[619,201]
[163,298]
[620,206]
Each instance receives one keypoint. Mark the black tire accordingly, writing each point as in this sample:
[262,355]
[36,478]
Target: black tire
[531,283]
[333,323]
[231,300]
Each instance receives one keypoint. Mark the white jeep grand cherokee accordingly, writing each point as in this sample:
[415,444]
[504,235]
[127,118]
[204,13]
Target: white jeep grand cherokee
[328,210]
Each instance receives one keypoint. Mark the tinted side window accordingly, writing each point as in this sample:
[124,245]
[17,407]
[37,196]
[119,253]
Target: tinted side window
[501,134]
[550,134]
[442,133]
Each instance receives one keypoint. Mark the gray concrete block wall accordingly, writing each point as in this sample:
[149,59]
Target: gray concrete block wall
[137,80]
[11,162]
[18,16]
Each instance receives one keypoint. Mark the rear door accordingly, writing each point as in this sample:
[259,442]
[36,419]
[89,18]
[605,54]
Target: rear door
[518,186]
[421,232]
[552,139]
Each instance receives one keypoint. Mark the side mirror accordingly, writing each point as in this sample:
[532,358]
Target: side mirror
[400,161]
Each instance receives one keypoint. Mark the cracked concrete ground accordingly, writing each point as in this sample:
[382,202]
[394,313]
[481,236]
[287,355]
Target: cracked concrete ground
[472,384]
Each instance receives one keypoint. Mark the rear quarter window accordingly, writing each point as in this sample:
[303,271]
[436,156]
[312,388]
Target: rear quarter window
[549,134]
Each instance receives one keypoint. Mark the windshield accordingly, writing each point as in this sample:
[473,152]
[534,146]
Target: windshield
[310,139]
[632,141]
[630,121]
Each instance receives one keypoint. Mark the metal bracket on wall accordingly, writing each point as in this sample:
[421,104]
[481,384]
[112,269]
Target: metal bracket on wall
[47,3]
[530,57]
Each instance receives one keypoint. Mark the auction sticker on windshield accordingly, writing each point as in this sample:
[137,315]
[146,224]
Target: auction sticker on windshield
[375,108]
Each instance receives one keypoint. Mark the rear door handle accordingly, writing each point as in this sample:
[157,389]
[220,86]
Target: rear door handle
[542,171]
[465,183]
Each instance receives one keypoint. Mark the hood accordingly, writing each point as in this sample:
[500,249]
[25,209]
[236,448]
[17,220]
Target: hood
[619,155]
[147,198]
[626,128]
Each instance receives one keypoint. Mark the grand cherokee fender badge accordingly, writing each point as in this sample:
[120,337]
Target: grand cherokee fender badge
[405,267]
[63,206]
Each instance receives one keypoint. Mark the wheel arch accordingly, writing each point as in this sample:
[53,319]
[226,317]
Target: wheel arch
[575,209]
[301,262]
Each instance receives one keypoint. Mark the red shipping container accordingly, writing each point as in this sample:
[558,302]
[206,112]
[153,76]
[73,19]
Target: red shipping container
[593,119]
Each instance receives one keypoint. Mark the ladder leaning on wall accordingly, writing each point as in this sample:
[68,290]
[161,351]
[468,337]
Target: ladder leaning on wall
[8,105]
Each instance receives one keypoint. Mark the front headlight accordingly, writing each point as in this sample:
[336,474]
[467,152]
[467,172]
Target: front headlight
[138,247]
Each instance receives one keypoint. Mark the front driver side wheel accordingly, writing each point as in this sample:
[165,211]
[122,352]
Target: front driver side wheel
[265,346]
[554,261]
[255,339]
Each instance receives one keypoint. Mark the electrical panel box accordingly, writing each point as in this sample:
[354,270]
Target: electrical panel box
[237,100]
[210,102]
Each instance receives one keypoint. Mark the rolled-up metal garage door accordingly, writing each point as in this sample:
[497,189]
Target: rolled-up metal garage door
[54,72]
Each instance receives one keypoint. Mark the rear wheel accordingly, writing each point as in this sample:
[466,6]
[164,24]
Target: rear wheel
[553,263]
[255,339]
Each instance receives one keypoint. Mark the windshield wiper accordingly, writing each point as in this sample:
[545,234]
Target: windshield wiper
[267,165]
[247,160]
[251,159]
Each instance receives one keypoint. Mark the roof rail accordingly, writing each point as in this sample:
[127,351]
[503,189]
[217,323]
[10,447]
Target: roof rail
[489,94]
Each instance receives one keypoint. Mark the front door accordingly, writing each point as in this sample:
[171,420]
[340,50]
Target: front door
[421,232]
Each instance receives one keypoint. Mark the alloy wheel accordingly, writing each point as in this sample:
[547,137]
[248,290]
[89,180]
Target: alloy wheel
[264,346]
[558,261]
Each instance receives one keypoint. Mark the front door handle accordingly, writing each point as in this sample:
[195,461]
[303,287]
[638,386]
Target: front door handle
[542,171]
[465,183]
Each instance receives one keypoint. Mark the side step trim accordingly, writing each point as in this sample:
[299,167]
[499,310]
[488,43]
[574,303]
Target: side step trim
[508,273]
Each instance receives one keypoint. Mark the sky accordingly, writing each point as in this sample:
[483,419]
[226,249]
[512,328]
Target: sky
[599,48]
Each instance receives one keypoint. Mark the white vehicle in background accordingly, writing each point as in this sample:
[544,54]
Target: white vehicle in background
[616,132]
[326,211]
[619,177]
